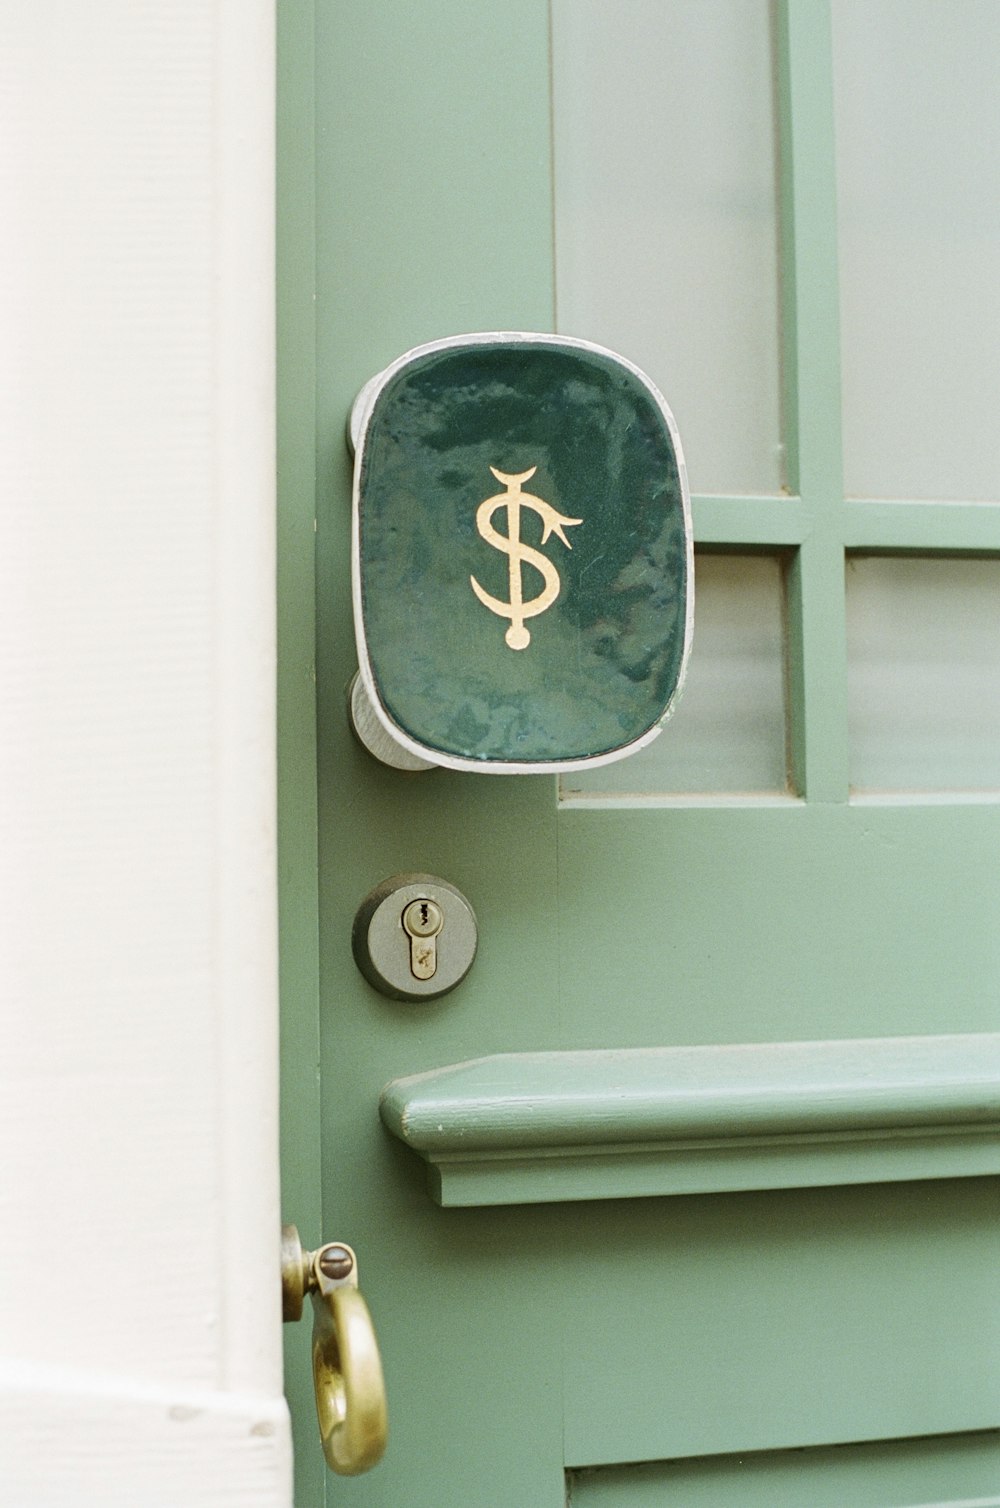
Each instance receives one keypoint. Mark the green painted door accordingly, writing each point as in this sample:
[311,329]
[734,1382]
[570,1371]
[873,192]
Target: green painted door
[688,1235]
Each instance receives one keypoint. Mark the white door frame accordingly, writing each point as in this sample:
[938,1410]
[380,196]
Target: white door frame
[139,1186]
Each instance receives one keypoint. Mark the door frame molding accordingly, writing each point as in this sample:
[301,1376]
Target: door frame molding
[139,851]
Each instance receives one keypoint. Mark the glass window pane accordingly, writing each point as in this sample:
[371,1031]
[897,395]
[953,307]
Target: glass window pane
[924,673]
[918,188]
[666,240]
[728,731]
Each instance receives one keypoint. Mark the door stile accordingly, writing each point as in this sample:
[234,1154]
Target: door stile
[298,901]
[433,172]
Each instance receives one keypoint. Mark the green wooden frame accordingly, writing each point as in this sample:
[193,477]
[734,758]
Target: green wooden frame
[816,520]
[814,524]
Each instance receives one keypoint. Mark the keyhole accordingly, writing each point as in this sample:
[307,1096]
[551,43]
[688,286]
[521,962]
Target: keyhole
[422,921]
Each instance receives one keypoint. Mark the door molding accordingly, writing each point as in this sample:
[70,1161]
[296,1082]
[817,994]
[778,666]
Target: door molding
[540,1128]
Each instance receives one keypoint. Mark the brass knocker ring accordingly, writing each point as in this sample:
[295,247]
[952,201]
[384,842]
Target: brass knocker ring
[347,1368]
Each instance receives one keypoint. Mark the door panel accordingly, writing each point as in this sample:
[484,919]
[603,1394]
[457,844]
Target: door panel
[774,924]
[799,1317]
[524,1340]
[960,1470]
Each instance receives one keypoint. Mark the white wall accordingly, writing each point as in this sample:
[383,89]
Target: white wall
[139,1283]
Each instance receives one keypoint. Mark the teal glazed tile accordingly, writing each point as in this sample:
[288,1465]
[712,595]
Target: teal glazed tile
[522,552]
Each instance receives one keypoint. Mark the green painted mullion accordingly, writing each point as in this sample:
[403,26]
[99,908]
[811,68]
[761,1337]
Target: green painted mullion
[811,395]
[949,528]
[753,521]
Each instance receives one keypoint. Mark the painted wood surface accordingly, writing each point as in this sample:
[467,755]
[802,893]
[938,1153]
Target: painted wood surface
[417,245]
[787,1318]
[139,1190]
[957,1471]
[542,1127]
[609,1331]
[298,905]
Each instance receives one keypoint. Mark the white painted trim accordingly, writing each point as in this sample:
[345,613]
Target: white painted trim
[115,1443]
[139,1205]
[357,430]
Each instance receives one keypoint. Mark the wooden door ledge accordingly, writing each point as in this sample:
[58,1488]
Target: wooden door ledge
[541,1127]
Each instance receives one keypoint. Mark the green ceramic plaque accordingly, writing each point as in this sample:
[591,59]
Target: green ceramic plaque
[522,553]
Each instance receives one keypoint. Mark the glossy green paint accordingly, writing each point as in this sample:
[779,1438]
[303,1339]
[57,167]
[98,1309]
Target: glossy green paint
[798,1317]
[526,1128]
[770,924]
[414,215]
[523,1340]
[759,1320]
[301,1175]
[570,1099]
[925,528]
[870,526]
[602,487]
[905,1474]
[817,650]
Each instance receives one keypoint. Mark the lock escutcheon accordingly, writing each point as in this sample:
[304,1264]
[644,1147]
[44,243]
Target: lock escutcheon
[414,937]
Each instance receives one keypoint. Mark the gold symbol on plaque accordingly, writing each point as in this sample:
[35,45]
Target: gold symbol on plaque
[517,636]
